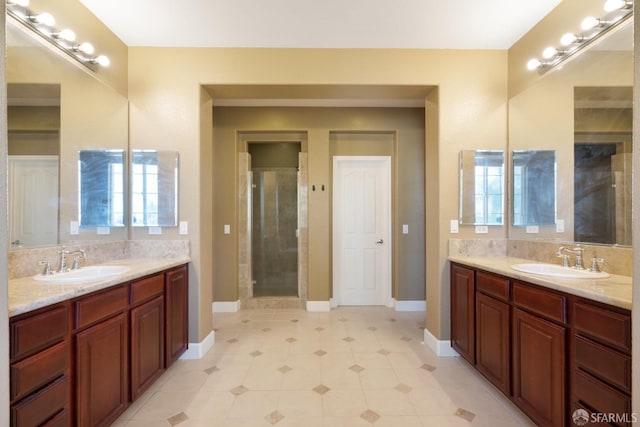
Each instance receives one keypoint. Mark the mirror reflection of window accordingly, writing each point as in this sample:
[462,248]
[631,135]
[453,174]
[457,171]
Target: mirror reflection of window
[534,187]
[101,188]
[154,188]
[481,187]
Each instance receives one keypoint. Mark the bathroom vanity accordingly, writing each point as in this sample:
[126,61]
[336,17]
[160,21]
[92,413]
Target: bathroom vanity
[550,345]
[80,354]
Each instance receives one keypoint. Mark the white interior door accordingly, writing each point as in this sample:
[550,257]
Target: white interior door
[362,230]
[33,200]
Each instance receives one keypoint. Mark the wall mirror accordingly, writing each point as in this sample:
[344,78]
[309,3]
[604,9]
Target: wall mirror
[583,112]
[154,188]
[534,187]
[482,187]
[101,188]
[70,110]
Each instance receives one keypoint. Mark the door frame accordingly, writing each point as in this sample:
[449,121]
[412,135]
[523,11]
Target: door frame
[385,162]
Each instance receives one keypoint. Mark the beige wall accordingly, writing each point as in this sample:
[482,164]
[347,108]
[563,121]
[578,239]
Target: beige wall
[165,98]
[4,237]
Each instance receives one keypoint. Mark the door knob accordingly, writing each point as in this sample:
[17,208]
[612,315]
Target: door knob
[379,242]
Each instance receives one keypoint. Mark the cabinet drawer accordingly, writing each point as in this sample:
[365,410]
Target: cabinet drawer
[597,395]
[603,325]
[100,306]
[42,406]
[603,362]
[493,285]
[36,371]
[547,304]
[35,332]
[61,420]
[145,289]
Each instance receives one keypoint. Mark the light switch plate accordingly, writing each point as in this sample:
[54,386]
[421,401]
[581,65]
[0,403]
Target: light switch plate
[405,228]
[227,229]
[74,227]
[559,225]
[184,227]
[155,230]
[103,231]
[482,229]
[454,226]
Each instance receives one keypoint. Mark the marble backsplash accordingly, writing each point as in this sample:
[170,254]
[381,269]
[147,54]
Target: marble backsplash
[618,260]
[25,262]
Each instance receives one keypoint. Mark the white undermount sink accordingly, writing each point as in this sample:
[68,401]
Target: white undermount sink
[85,274]
[552,270]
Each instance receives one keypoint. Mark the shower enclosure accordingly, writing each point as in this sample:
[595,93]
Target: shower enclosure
[274,222]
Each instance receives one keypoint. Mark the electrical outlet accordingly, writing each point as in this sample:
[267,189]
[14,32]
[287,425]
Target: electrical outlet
[184,228]
[454,226]
[227,229]
[74,227]
[405,228]
[482,229]
[532,229]
[103,231]
[155,230]
[559,225]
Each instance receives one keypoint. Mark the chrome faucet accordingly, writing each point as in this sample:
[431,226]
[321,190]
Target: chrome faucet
[577,251]
[63,259]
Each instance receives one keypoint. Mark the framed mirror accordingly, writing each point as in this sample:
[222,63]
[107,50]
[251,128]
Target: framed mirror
[154,188]
[101,188]
[534,187]
[482,187]
[56,109]
[577,111]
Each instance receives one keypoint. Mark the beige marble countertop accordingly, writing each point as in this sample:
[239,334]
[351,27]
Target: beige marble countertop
[614,290]
[27,294]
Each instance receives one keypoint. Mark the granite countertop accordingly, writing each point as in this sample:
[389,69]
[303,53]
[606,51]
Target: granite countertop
[27,294]
[614,290]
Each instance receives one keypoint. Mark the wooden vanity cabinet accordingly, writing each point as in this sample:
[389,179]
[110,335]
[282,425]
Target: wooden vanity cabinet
[493,330]
[177,313]
[539,354]
[40,366]
[147,333]
[463,325]
[102,356]
[81,362]
[601,360]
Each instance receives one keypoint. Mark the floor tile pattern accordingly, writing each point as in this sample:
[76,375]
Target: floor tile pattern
[353,366]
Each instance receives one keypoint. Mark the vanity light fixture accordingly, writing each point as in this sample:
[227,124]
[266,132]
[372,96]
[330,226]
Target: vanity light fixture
[617,12]
[43,25]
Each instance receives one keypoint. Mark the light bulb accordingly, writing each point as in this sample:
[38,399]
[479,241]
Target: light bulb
[549,52]
[590,23]
[86,48]
[103,60]
[568,39]
[533,64]
[612,5]
[44,18]
[66,34]
[22,3]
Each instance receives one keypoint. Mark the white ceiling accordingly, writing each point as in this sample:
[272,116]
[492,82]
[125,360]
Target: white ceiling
[420,24]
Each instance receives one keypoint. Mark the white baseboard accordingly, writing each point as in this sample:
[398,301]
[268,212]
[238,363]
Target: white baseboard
[199,349]
[410,305]
[442,348]
[225,306]
[319,306]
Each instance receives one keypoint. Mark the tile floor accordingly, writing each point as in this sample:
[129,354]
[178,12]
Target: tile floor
[354,366]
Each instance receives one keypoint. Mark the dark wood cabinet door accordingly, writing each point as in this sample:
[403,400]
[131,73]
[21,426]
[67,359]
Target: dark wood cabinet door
[539,373]
[463,311]
[492,341]
[102,372]
[147,345]
[177,313]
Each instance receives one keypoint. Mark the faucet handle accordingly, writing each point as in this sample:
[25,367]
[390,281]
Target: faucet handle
[47,267]
[565,258]
[595,264]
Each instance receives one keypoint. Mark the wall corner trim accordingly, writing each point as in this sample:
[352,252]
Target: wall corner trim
[199,349]
[323,306]
[225,306]
[442,348]
[409,305]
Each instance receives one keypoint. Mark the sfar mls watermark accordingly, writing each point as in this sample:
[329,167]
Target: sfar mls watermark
[581,417]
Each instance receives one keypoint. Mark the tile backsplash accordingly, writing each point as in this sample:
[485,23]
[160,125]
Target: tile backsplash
[618,260]
[25,262]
